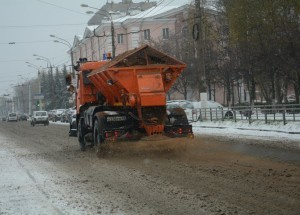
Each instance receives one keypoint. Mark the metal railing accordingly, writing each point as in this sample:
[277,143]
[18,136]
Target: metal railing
[266,113]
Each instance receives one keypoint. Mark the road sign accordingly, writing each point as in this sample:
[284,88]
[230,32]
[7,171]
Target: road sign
[38,96]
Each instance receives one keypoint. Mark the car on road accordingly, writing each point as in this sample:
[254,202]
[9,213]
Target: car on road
[57,114]
[39,117]
[12,117]
[22,117]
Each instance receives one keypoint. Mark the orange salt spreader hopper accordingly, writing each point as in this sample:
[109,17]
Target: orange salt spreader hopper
[140,79]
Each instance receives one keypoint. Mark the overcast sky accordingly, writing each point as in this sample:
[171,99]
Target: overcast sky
[28,24]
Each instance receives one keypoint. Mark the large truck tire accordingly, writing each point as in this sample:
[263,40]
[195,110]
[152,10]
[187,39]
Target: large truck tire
[80,135]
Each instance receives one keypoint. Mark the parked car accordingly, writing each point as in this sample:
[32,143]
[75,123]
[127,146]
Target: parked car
[51,114]
[291,98]
[196,110]
[12,117]
[243,108]
[57,114]
[39,117]
[209,109]
[207,104]
[64,117]
[187,106]
[72,113]
[67,115]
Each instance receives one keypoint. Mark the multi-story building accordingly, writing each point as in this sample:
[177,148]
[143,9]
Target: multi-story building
[130,31]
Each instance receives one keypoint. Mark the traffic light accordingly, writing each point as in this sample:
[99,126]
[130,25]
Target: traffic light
[37,104]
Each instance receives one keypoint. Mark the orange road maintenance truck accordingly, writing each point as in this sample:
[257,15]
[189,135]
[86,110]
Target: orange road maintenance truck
[124,99]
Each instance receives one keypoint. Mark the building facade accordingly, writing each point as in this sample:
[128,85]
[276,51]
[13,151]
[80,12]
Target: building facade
[155,24]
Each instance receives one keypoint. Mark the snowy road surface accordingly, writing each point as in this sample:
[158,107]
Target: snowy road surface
[43,172]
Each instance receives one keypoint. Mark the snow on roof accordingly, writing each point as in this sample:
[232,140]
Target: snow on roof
[89,30]
[154,11]
[79,37]
[92,27]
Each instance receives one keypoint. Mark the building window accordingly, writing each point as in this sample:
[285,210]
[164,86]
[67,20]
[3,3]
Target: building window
[120,38]
[165,33]
[147,34]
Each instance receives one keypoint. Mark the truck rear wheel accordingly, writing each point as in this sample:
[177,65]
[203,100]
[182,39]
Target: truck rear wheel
[80,135]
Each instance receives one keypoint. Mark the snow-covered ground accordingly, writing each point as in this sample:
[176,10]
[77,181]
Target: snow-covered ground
[258,130]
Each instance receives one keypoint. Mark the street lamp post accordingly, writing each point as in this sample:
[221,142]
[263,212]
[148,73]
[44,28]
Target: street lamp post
[48,61]
[39,79]
[113,46]
[29,94]
[18,97]
[65,42]
[44,59]
[6,106]
[39,57]
[33,66]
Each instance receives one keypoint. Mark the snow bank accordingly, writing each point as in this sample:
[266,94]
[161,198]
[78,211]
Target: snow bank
[290,127]
[273,133]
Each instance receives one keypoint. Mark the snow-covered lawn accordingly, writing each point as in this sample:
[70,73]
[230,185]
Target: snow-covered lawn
[258,130]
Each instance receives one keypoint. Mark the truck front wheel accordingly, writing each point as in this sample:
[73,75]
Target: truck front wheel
[80,135]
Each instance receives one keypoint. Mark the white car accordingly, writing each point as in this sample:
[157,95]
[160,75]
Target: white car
[57,114]
[210,110]
[12,117]
[201,110]
[39,117]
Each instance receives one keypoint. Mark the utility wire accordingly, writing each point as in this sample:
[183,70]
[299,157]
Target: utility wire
[74,11]
[41,26]
[26,42]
